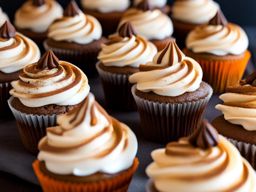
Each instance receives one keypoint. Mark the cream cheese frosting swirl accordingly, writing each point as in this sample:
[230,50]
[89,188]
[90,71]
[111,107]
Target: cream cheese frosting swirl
[88,141]
[106,6]
[183,167]
[50,81]
[127,49]
[38,18]
[194,11]
[16,50]
[3,17]
[153,3]
[170,74]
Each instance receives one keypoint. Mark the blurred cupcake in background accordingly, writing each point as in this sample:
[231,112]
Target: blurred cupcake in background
[16,51]
[170,95]
[76,38]
[150,23]
[88,151]
[118,59]
[108,12]
[44,90]
[3,17]
[221,50]
[34,17]
[188,14]
[157,4]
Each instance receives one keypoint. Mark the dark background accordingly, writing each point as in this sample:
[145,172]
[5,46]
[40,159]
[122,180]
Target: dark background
[238,11]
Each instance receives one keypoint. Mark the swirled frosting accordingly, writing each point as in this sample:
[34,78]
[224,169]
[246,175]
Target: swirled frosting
[184,167]
[194,11]
[50,81]
[153,3]
[38,18]
[170,74]
[127,49]
[106,6]
[88,141]
[3,17]
[16,50]
[78,28]
[151,24]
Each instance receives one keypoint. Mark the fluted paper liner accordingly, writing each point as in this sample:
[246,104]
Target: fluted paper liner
[165,122]
[32,127]
[118,183]
[4,96]
[117,90]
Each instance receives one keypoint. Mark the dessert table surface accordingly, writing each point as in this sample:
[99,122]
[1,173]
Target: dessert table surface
[16,161]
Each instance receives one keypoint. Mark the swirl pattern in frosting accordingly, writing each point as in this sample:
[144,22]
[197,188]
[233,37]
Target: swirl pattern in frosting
[106,6]
[38,18]
[170,74]
[50,82]
[194,11]
[153,3]
[88,141]
[151,24]
[3,17]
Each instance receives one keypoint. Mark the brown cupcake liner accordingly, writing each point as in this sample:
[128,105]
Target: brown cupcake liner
[5,111]
[119,183]
[165,122]
[117,90]
[31,127]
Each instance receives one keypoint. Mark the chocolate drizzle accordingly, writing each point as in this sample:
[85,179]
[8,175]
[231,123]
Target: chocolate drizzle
[7,30]
[250,80]
[38,3]
[205,137]
[144,5]
[218,19]
[72,9]
[48,61]
[126,30]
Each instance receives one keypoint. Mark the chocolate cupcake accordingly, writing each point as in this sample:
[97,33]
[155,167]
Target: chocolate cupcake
[221,50]
[120,58]
[188,14]
[88,151]
[76,38]
[45,89]
[3,17]
[150,23]
[157,4]
[16,51]
[203,162]
[170,95]
[238,122]
[34,17]
[108,12]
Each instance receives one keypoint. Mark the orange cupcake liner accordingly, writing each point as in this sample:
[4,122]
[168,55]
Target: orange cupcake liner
[221,74]
[119,183]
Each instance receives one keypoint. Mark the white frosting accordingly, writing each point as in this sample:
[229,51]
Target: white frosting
[17,52]
[218,40]
[81,29]
[3,17]
[84,149]
[194,11]
[106,6]
[219,168]
[38,19]
[153,3]
[127,51]
[151,24]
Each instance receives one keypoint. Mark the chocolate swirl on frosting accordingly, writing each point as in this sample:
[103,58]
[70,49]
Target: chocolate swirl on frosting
[48,61]
[126,30]
[250,80]
[144,5]
[219,19]
[72,9]
[38,3]
[7,30]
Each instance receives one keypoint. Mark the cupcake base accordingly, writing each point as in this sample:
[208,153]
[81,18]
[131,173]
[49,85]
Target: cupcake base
[117,183]
[161,44]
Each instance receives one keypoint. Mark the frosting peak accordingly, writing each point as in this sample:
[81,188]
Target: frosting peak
[219,19]
[126,30]
[72,9]
[48,61]
[143,5]
[7,30]
[38,3]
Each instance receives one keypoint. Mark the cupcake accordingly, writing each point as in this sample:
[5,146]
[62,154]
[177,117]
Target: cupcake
[188,14]
[239,117]
[76,38]
[34,17]
[118,60]
[88,151]
[170,95]
[3,17]
[16,51]
[203,162]
[108,12]
[157,4]
[221,49]
[45,89]
[150,23]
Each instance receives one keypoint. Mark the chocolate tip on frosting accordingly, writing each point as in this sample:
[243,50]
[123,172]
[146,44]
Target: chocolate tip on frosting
[72,9]
[219,19]
[144,5]
[7,30]
[205,136]
[126,30]
[48,61]
[38,3]
[250,80]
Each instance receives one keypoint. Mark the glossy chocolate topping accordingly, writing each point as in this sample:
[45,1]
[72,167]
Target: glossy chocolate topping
[72,9]
[144,5]
[218,19]
[48,61]
[38,3]
[126,30]
[7,30]
[251,80]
